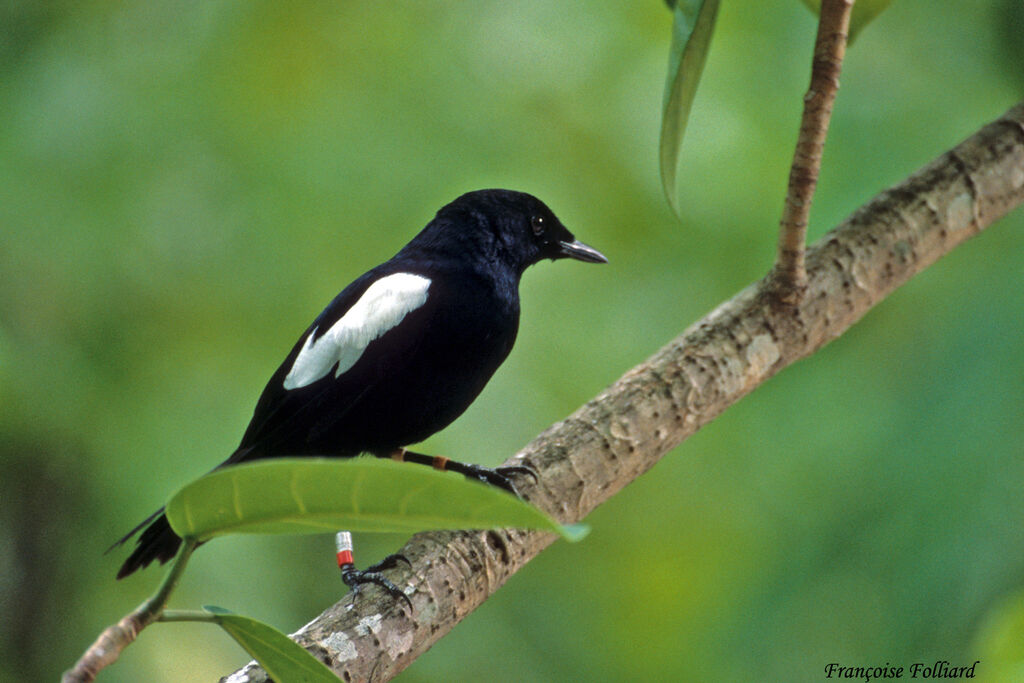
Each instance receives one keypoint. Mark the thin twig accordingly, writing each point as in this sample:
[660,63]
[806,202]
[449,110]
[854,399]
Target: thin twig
[168,615]
[829,50]
[117,637]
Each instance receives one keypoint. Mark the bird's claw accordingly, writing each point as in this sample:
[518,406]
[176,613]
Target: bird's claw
[519,469]
[501,476]
[355,578]
[389,562]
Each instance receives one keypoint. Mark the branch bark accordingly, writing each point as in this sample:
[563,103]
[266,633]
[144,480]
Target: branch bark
[790,276]
[626,429]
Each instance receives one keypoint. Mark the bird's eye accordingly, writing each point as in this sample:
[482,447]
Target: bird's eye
[537,223]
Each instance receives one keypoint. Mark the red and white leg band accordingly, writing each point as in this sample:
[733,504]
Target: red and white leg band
[343,543]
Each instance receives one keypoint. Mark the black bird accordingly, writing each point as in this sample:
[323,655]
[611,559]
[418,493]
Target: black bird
[402,351]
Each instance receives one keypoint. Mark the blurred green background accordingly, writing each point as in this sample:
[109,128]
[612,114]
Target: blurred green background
[184,185]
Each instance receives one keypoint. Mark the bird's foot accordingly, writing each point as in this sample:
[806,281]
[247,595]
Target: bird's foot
[355,578]
[500,476]
[389,562]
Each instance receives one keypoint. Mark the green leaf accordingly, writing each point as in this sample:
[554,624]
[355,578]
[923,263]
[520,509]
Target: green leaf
[692,24]
[864,11]
[284,659]
[321,495]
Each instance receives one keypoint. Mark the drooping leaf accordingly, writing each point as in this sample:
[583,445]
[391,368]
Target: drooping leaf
[281,657]
[322,495]
[864,11]
[692,24]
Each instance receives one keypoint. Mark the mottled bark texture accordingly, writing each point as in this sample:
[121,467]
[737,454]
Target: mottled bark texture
[625,430]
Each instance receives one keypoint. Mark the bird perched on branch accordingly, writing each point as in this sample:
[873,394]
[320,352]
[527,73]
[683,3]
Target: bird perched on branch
[401,352]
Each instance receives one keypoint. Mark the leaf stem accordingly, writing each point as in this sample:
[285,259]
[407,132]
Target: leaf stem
[186,615]
[117,637]
[790,276]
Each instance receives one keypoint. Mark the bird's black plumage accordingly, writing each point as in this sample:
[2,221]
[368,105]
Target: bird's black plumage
[403,350]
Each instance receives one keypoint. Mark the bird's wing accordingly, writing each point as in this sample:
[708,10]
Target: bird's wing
[381,307]
[363,312]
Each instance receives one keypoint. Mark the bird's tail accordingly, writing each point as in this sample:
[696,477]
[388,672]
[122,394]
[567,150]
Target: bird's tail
[157,542]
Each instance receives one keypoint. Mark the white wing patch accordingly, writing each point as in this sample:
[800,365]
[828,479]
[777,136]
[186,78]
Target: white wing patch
[381,307]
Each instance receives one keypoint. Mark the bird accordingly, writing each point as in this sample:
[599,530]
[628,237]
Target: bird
[400,353]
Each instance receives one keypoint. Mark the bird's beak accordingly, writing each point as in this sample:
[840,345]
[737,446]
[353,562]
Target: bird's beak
[580,252]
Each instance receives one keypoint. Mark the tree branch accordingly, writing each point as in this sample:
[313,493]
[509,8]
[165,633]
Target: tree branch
[117,637]
[790,276]
[626,429]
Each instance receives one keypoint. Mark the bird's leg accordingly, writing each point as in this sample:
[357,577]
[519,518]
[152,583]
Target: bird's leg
[499,476]
[355,578]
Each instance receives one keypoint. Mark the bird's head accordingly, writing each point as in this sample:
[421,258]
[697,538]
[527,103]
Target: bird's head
[514,227]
